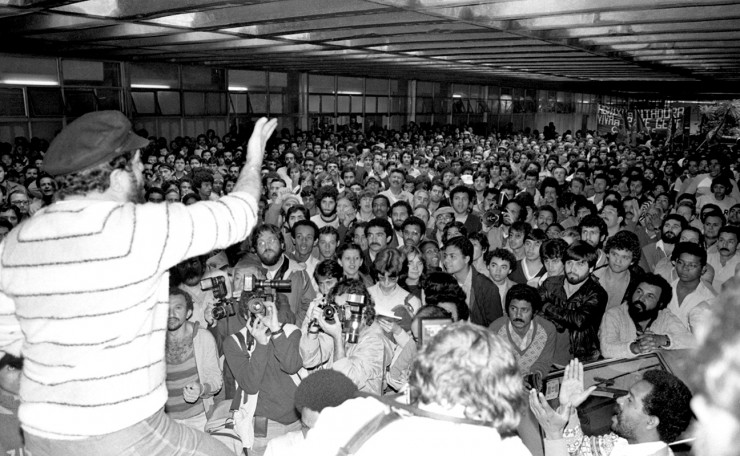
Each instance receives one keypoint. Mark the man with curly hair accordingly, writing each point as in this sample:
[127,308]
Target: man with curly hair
[653,414]
[467,397]
[620,274]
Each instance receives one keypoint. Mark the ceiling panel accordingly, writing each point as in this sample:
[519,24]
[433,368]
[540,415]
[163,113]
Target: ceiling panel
[611,45]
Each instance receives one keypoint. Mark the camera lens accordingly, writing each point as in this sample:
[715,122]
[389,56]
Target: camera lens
[329,312]
[218,313]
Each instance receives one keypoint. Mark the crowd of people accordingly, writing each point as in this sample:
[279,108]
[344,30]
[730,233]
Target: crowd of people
[346,252]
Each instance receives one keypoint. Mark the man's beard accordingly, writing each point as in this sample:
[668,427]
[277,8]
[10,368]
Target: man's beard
[173,324]
[270,257]
[574,279]
[331,214]
[638,312]
[669,237]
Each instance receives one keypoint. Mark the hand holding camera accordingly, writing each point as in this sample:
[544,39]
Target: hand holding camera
[332,328]
[259,331]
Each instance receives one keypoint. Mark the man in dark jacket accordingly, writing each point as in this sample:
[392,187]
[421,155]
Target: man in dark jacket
[575,303]
[483,298]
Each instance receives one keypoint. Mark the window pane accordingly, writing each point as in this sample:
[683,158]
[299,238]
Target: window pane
[194,103]
[79,102]
[400,87]
[25,71]
[475,91]
[11,102]
[169,103]
[278,80]
[83,72]
[382,105]
[314,103]
[215,103]
[203,78]
[461,90]
[46,129]
[422,88]
[238,102]
[376,86]
[276,103]
[154,75]
[143,102]
[327,104]
[356,104]
[45,102]
[108,99]
[258,101]
[371,105]
[350,86]
[342,103]
[247,80]
[320,84]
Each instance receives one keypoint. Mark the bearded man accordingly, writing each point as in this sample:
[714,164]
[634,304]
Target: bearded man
[643,323]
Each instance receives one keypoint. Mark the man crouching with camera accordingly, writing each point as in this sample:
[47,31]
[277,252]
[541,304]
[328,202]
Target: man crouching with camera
[265,360]
[340,333]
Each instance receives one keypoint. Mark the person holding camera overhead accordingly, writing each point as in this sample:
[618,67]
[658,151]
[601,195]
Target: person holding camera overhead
[340,333]
[265,360]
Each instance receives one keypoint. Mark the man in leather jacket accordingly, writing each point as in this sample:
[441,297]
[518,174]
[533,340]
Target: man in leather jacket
[575,303]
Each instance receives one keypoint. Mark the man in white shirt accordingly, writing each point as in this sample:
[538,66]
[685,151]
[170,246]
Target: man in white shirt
[395,193]
[725,259]
[642,324]
[690,302]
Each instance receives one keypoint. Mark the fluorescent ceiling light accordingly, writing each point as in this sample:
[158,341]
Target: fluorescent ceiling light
[457,96]
[149,86]
[345,92]
[238,89]
[30,82]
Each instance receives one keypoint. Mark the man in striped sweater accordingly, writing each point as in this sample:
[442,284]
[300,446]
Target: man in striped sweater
[84,293]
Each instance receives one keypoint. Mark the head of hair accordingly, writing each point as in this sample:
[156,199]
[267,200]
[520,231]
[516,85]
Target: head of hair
[439,284]
[307,223]
[267,228]
[380,223]
[594,221]
[13,361]
[468,365]
[463,189]
[536,235]
[326,191]
[691,249]
[616,206]
[482,239]
[553,249]
[355,286]
[502,254]
[581,251]
[175,291]
[523,292]
[457,225]
[324,388]
[550,209]
[624,240]
[415,221]
[463,244]
[666,291]
[201,175]
[674,217]
[347,245]
[730,229]
[96,178]
[389,261]
[669,400]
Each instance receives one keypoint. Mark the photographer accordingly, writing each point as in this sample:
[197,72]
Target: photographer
[363,359]
[187,275]
[264,358]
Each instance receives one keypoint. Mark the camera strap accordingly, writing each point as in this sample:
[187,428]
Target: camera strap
[394,412]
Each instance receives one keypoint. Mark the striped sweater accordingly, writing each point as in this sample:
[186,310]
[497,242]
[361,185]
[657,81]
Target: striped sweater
[84,298]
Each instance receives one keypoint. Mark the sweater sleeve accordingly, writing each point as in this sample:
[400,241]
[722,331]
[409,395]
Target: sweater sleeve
[11,337]
[248,370]
[615,343]
[208,369]
[544,361]
[202,227]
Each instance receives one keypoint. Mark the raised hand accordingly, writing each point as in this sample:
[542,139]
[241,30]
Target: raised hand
[256,147]
[552,421]
[572,390]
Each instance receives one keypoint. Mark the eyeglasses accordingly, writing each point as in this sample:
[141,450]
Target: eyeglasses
[689,266]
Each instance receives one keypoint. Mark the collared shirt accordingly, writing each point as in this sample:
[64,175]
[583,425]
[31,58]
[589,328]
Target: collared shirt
[618,331]
[722,273]
[695,305]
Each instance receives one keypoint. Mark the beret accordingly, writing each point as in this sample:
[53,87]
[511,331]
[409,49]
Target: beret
[95,138]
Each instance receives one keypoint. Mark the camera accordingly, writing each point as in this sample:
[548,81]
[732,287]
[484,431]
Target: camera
[252,283]
[223,307]
[330,312]
[493,217]
[356,304]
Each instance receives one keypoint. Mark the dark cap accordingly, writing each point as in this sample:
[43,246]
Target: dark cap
[95,138]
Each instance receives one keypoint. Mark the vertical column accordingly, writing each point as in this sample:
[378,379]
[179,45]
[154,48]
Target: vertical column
[411,102]
[299,83]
